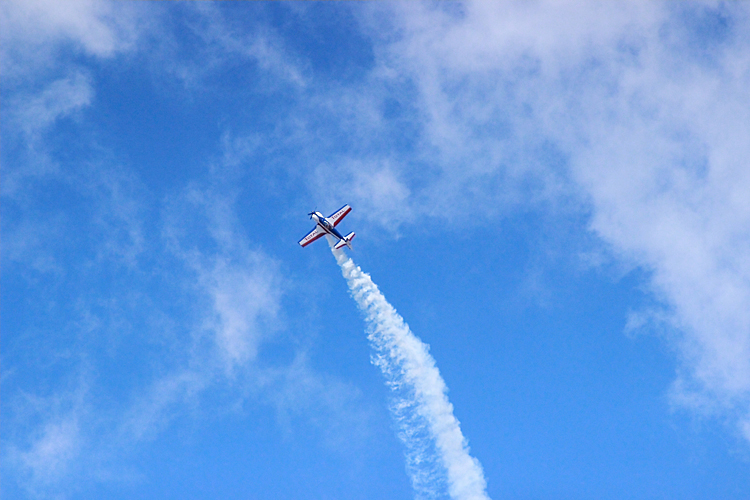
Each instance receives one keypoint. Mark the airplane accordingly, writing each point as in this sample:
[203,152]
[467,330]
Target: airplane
[327,225]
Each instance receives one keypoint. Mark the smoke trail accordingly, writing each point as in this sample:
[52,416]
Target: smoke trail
[436,449]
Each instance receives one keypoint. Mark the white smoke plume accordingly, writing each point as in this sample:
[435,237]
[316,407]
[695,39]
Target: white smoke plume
[437,451]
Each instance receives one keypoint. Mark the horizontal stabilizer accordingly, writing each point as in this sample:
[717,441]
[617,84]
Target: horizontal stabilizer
[346,241]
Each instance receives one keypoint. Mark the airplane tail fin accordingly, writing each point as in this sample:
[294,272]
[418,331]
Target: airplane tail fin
[346,241]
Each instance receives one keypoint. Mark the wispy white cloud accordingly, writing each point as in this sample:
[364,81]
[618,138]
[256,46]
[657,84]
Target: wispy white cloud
[622,108]
[48,50]
[34,30]
[375,187]
[160,403]
[243,284]
[30,115]
[52,450]
[234,289]
[208,359]
[59,99]
[246,302]
[49,456]
[629,109]
[225,43]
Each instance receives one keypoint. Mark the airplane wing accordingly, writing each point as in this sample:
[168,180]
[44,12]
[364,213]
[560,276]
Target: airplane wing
[313,235]
[340,214]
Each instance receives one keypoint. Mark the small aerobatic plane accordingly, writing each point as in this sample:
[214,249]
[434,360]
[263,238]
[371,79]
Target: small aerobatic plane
[327,225]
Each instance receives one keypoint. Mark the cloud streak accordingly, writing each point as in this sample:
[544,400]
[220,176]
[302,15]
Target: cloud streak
[632,114]
[421,405]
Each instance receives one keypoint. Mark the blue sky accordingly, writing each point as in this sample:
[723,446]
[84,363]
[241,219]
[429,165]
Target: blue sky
[552,195]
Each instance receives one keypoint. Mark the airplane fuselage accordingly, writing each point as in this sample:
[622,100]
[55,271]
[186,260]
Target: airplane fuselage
[327,226]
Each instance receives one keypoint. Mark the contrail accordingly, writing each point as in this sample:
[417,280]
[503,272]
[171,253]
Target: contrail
[437,452]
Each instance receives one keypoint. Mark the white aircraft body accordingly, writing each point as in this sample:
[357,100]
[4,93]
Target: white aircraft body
[327,225]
